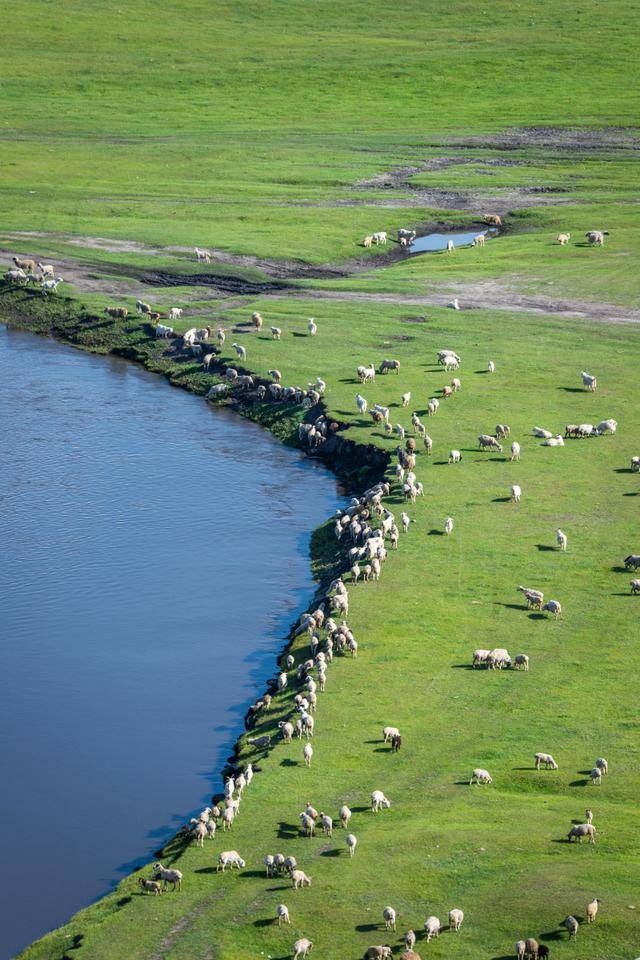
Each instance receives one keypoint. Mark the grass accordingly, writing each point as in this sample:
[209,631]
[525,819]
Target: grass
[250,129]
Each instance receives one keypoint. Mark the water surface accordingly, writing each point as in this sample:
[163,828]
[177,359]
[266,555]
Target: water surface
[438,241]
[151,562]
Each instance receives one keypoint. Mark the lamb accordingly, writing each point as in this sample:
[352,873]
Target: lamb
[554,607]
[150,886]
[572,926]
[521,661]
[168,876]
[563,238]
[589,382]
[175,313]
[545,760]
[351,842]
[276,333]
[361,404]
[516,493]
[312,327]
[586,430]
[455,919]
[410,939]
[491,367]
[447,392]
[277,376]
[380,237]
[46,269]
[367,241]
[120,313]
[478,241]
[221,337]
[450,246]
[282,913]
[256,319]
[231,859]
[487,442]
[588,815]
[406,520]
[240,350]
[592,910]
[596,237]
[581,830]
[302,947]
[406,399]
[379,801]
[448,526]
[480,776]
[345,815]
[515,451]
[503,430]
[308,754]
[635,465]
[534,598]
[602,765]
[432,927]
[455,456]
[300,879]
[203,255]
[366,374]
[389,917]
[561,539]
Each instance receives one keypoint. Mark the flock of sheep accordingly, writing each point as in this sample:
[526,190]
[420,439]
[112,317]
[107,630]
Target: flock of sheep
[27,271]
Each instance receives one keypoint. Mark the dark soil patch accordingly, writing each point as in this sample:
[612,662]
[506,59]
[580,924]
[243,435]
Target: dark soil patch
[556,138]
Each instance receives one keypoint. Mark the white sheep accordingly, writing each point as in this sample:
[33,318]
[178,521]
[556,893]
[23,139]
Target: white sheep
[345,815]
[203,255]
[175,313]
[557,441]
[516,493]
[454,304]
[456,916]
[545,760]
[282,913]
[455,456]
[450,246]
[361,404]
[515,451]
[300,879]
[312,327]
[554,607]
[379,801]
[561,539]
[448,526]
[432,927]
[283,681]
[589,382]
[409,939]
[563,238]
[351,841]
[406,399]
[307,753]
[491,367]
[480,776]
[168,876]
[231,859]
[276,333]
[607,426]
[521,661]
[602,765]
[240,350]
[389,917]
[302,947]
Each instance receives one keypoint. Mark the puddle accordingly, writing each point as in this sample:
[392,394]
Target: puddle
[438,241]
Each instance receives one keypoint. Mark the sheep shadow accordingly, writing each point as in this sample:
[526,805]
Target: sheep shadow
[624,470]
[123,901]
[573,389]
[266,922]
[367,927]
[436,533]
[383,749]
[632,494]
[579,783]
[206,870]
[461,783]
[330,853]
[253,873]
[481,371]
[536,615]
[297,334]
[545,548]
[360,809]
[553,934]
[501,500]
[619,569]
[287,762]
[512,606]
[440,463]
[626,594]
[287,831]
[461,666]
[76,942]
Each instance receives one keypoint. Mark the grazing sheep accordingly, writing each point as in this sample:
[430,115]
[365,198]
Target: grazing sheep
[520,949]
[498,657]
[450,246]
[161,331]
[327,824]
[561,539]
[480,776]
[407,234]
[596,237]
[516,493]
[454,304]
[366,374]
[46,269]
[582,830]
[455,456]
[367,241]
[521,662]
[493,219]
[302,947]
[503,430]
[586,430]
[589,382]
[541,433]
[635,586]
[487,442]
[15,276]
[168,876]
[286,730]
[632,562]
[572,926]
[543,952]
[607,426]
[602,765]
[203,255]
[379,801]
[406,399]
[480,656]
[389,732]
[276,333]
[456,385]
[351,841]
[588,815]
[478,241]
[563,238]
[386,365]
[261,743]
[307,753]
[592,910]
[312,327]
[231,859]
[282,913]
[531,948]
[307,824]
[269,863]
[389,917]
[448,526]
[515,451]
[554,607]
[379,952]
[409,939]
[545,760]
[199,833]
[455,919]
[300,879]
[432,927]
[345,815]
[150,886]
[29,266]
[447,392]
[380,237]
[534,598]
[120,313]
[571,430]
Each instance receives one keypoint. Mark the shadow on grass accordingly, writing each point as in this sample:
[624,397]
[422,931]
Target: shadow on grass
[512,606]
[206,870]
[287,762]
[253,873]
[537,616]
[359,809]
[624,470]
[579,783]
[633,494]
[481,371]
[367,927]
[627,593]
[620,569]
[461,666]
[383,749]
[552,934]
[572,389]
[287,831]
[501,500]
[545,548]
[330,853]
[436,533]
[266,922]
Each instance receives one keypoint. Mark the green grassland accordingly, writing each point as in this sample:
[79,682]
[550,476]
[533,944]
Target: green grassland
[250,128]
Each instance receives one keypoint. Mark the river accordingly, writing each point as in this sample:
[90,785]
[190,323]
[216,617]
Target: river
[154,552]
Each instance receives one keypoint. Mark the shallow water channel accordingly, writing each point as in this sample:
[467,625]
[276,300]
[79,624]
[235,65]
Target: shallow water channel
[151,564]
[438,241]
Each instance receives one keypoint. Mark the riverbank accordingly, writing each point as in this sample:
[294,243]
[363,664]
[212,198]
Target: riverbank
[438,598]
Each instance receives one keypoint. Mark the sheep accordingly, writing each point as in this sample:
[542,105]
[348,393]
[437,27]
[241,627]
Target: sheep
[302,947]
[380,237]
[400,430]
[367,241]
[307,753]
[493,219]
[487,442]
[283,681]
[586,430]
[480,656]
[168,876]
[448,526]
[561,539]
[432,927]
[554,607]
[431,408]
[531,948]
[571,430]
[231,859]
[456,918]
[454,304]
[588,815]
[386,365]
[388,733]
[29,266]
[478,241]
[277,376]
[635,465]
[276,333]
[543,952]
[380,952]
[498,657]
[175,313]
[589,382]
[286,864]
[300,879]
[407,234]
[521,661]
[203,255]
[379,801]
[592,910]
[256,320]
[150,886]
[520,949]
[261,743]
[455,456]
[450,246]
[307,824]
[491,367]
[572,926]
[269,864]
[15,276]
[351,842]
[345,815]
[228,816]
[545,760]
[607,426]
[632,562]
[366,374]
[406,520]
[211,828]
[282,913]
[389,917]
[596,237]
[221,337]
[480,776]
[199,833]
[534,598]
[563,238]
[515,451]
[635,586]
[286,730]
[361,404]
[117,313]
[218,389]
[240,350]
[602,765]
[312,327]
[447,392]
[46,269]
[161,331]
[409,939]
[581,830]
[541,433]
